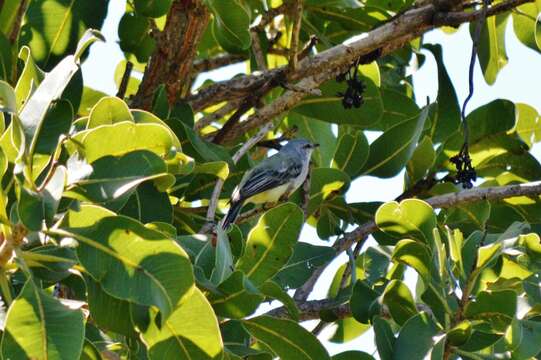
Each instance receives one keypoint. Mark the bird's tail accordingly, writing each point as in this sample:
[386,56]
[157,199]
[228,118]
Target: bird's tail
[232,214]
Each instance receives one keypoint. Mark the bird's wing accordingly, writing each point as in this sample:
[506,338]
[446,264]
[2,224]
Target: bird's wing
[271,173]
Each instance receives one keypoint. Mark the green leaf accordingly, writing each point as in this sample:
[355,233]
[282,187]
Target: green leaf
[326,183]
[107,111]
[384,338]
[491,49]
[351,153]
[523,339]
[399,300]
[191,332]
[421,162]
[108,312]
[353,355]
[270,243]
[363,302]
[286,338]
[231,24]
[116,177]
[49,90]
[414,254]
[8,100]
[128,137]
[272,290]
[306,257]
[496,307]
[30,77]
[240,298]
[447,118]
[528,125]
[525,24]
[423,330]
[397,108]
[152,8]
[8,15]
[38,326]
[223,266]
[460,333]
[390,152]
[220,169]
[328,107]
[410,218]
[89,99]
[55,26]
[130,261]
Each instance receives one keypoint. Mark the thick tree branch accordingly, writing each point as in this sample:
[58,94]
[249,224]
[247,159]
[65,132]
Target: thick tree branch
[390,35]
[443,201]
[171,63]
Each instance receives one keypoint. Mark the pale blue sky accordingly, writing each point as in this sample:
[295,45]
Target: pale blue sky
[518,81]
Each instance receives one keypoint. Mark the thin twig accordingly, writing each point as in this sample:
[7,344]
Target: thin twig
[296,29]
[204,65]
[217,115]
[268,16]
[125,80]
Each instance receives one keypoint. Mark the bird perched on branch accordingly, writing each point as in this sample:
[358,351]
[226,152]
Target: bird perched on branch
[273,178]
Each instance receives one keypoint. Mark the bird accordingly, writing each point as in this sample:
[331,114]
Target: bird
[273,178]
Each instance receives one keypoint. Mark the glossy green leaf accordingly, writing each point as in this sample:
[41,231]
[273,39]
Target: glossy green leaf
[8,100]
[528,125]
[496,307]
[240,297]
[108,312]
[525,24]
[410,218]
[38,326]
[491,50]
[223,265]
[231,24]
[447,118]
[30,77]
[384,338]
[270,243]
[397,108]
[152,8]
[326,183]
[115,177]
[130,261]
[272,290]
[421,162]
[50,263]
[328,107]
[390,152]
[414,254]
[523,339]
[421,328]
[55,26]
[107,111]
[353,355]
[351,153]
[287,339]
[191,332]
[399,300]
[220,169]
[363,302]
[306,257]
[128,137]
[459,334]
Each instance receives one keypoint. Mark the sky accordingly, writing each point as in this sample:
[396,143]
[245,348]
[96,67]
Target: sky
[518,81]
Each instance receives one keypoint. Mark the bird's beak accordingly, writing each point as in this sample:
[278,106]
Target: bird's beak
[314,146]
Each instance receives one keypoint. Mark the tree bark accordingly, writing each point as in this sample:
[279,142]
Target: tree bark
[171,63]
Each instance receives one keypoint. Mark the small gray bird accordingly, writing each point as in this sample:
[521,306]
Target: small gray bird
[276,176]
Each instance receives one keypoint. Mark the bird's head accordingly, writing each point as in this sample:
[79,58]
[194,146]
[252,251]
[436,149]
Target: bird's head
[301,146]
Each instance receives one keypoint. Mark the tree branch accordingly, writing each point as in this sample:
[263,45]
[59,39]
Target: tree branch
[171,62]
[442,202]
[293,48]
[387,37]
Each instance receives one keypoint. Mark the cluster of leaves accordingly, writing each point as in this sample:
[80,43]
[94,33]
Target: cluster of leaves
[106,201]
